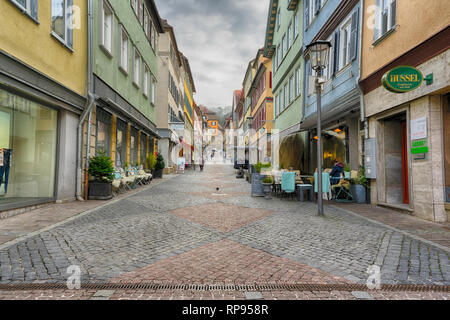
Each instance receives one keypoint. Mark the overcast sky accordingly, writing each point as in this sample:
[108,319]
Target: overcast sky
[219,37]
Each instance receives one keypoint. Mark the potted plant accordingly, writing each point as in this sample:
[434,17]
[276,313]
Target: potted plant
[101,169]
[359,186]
[267,185]
[347,174]
[159,167]
[151,162]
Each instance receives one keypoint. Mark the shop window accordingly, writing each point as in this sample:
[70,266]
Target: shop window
[134,147]
[143,148]
[103,136]
[28,141]
[335,146]
[446,116]
[121,143]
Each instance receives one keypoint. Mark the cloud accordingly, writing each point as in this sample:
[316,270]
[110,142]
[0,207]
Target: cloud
[219,37]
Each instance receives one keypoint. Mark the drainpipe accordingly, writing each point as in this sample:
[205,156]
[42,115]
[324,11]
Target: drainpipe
[361,92]
[89,106]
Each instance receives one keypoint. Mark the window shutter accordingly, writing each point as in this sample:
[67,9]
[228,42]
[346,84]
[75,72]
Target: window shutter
[307,12]
[34,9]
[149,31]
[354,35]
[70,23]
[336,53]
[377,30]
[393,13]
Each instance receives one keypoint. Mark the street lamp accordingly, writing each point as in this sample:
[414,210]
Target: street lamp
[318,56]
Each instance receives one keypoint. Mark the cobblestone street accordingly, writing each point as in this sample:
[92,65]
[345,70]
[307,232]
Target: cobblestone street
[204,228]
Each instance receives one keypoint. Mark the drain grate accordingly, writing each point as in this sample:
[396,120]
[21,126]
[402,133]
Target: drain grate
[229,287]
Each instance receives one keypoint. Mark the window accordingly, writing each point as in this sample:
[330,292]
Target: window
[106,34]
[279,18]
[345,45]
[145,84]
[286,95]
[153,38]
[62,21]
[153,85]
[290,36]
[146,23]
[291,89]
[385,18]
[296,25]
[124,48]
[137,67]
[143,153]
[121,143]
[298,82]
[103,136]
[284,46]
[30,7]
[328,71]
[279,55]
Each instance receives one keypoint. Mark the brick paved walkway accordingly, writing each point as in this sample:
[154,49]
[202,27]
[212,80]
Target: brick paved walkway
[185,230]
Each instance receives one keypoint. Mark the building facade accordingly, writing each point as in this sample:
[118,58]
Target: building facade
[415,183]
[42,42]
[262,108]
[284,45]
[170,95]
[125,71]
[339,23]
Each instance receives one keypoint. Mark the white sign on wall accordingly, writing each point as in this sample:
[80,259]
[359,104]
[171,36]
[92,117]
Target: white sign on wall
[419,129]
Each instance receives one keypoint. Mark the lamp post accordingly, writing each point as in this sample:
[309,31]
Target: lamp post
[318,56]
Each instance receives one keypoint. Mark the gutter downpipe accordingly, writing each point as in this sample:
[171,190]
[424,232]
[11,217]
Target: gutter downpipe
[361,92]
[88,109]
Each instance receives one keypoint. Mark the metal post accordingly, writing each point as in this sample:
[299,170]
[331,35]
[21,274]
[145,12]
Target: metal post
[319,143]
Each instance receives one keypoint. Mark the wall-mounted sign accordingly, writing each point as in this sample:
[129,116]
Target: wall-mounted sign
[419,129]
[402,79]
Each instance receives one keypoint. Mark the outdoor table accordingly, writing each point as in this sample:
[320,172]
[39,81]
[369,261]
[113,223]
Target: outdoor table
[305,187]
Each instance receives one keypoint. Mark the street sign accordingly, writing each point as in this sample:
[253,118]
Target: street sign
[402,79]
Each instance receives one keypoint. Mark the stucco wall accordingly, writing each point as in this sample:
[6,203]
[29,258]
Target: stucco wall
[33,44]
[417,20]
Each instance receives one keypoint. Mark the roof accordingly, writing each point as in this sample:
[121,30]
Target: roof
[188,70]
[156,16]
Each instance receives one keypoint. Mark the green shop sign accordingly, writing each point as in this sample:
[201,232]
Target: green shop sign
[402,79]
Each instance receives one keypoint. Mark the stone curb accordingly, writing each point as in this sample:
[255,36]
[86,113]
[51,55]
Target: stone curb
[82,214]
[431,243]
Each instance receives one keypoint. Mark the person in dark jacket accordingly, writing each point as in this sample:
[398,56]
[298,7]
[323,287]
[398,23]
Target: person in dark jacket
[335,174]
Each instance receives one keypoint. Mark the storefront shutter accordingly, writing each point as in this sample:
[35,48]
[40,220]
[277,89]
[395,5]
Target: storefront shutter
[307,12]
[354,35]
[34,9]
[336,53]
[70,23]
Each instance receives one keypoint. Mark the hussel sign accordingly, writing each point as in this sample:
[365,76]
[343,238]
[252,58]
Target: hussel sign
[402,79]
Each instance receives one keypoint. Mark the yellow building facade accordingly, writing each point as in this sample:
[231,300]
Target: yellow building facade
[43,72]
[408,33]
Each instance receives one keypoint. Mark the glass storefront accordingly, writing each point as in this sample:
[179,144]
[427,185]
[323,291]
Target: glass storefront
[121,146]
[134,147]
[335,146]
[143,148]
[446,117]
[28,142]
[103,135]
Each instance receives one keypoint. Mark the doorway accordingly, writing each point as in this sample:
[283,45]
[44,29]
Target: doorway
[396,160]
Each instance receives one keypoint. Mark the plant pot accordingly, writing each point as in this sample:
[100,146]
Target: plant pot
[100,190]
[158,173]
[257,185]
[267,187]
[359,193]
[347,175]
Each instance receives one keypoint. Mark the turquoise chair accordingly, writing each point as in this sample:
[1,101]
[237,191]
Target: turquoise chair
[326,184]
[288,183]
